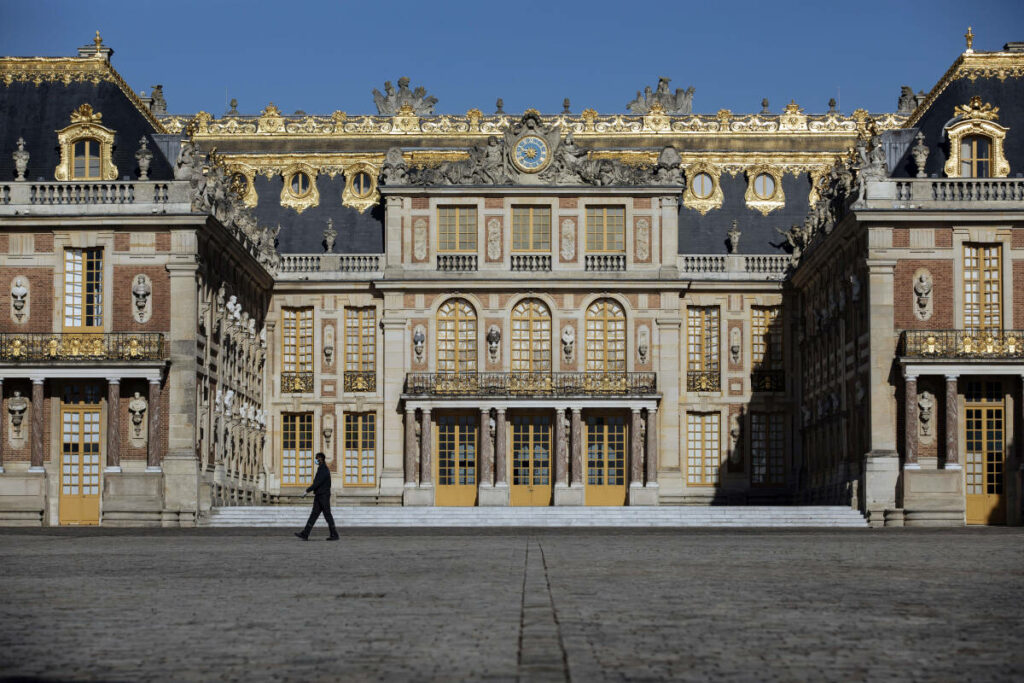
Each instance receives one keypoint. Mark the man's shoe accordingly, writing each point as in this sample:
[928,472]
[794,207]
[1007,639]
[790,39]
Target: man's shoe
[335,537]
[301,535]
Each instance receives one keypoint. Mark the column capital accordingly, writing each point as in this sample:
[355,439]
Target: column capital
[38,380]
[113,380]
[154,380]
[955,377]
[426,410]
[909,375]
[636,410]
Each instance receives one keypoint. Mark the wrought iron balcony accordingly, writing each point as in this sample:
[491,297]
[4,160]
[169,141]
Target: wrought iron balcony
[100,346]
[703,380]
[553,384]
[962,344]
[360,380]
[768,380]
[296,382]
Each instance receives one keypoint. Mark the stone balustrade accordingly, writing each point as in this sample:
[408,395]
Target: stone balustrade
[605,262]
[734,266]
[947,192]
[531,263]
[457,263]
[86,198]
[330,266]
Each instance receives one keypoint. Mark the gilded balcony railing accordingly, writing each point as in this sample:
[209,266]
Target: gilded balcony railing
[554,384]
[360,380]
[702,380]
[983,344]
[101,346]
[296,382]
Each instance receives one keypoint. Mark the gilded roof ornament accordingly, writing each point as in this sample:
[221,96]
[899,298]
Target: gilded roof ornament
[97,40]
[975,109]
[85,114]
[970,39]
[680,102]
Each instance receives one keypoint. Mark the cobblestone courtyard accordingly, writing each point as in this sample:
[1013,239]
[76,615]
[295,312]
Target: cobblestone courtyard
[538,605]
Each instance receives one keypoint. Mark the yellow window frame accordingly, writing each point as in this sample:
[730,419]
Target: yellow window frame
[456,229]
[531,228]
[606,229]
[360,338]
[297,339]
[360,449]
[83,289]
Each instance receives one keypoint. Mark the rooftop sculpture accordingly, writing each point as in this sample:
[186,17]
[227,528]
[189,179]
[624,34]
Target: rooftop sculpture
[390,102]
[680,102]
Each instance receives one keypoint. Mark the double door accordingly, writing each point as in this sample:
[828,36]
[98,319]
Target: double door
[606,459]
[985,441]
[532,459]
[80,464]
[458,437]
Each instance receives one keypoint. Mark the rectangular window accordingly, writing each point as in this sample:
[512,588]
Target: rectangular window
[703,452]
[456,228]
[297,342]
[360,449]
[767,338]
[702,331]
[767,466]
[85,162]
[982,287]
[83,289]
[531,228]
[297,449]
[606,229]
[360,348]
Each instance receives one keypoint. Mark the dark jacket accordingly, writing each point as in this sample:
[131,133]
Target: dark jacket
[321,485]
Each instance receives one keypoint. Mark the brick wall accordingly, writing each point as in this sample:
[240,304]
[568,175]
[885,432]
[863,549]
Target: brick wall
[40,300]
[420,202]
[163,241]
[944,238]
[1018,294]
[901,238]
[44,242]
[494,203]
[123,302]
[942,295]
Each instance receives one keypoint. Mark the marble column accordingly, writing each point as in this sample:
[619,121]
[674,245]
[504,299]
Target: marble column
[576,443]
[37,456]
[561,450]
[426,471]
[113,424]
[500,461]
[636,451]
[952,424]
[910,423]
[411,456]
[486,449]
[153,452]
[652,446]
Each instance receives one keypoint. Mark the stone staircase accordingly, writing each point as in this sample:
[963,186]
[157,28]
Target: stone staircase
[661,516]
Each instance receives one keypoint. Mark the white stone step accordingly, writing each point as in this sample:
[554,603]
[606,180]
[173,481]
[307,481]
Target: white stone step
[666,516]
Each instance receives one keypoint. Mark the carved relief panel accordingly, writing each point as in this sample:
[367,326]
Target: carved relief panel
[494,239]
[923,299]
[138,420]
[642,239]
[142,298]
[420,239]
[20,299]
[17,417]
[567,240]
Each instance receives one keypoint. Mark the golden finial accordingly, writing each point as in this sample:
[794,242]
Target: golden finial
[97,39]
[970,39]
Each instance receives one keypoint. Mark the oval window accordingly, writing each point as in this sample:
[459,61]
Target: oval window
[703,186]
[764,186]
[300,184]
[362,184]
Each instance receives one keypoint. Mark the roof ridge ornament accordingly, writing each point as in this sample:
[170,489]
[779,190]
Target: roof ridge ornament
[85,114]
[392,102]
[975,109]
[970,40]
[680,102]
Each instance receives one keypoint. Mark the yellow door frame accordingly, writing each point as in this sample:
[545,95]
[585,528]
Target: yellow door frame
[80,463]
[455,476]
[985,460]
[530,435]
[606,482]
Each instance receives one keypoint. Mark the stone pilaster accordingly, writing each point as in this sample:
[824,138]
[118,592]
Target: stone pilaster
[910,423]
[411,456]
[493,489]
[882,465]
[37,457]
[393,234]
[669,237]
[668,354]
[154,457]
[3,422]
[392,378]
[113,424]
[952,424]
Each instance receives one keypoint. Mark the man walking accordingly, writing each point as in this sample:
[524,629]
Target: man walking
[321,489]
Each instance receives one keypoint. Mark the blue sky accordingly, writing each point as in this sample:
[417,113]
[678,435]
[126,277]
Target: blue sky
[323,56]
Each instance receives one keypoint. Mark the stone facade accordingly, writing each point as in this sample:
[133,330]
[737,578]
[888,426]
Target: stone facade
[513,310]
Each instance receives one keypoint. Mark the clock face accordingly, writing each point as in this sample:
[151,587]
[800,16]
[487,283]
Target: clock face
[531,154]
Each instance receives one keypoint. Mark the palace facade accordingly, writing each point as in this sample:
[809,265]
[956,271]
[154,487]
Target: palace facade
[650,308]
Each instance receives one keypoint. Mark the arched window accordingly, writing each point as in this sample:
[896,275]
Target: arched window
[456,337]
[85,160]
[606,337]
[531,336]
[975,156]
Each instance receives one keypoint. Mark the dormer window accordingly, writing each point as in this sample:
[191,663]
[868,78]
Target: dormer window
[85,148]
[976,142]
[975,156]
[85,160]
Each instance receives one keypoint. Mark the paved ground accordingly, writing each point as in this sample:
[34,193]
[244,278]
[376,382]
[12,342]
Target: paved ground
[583,605]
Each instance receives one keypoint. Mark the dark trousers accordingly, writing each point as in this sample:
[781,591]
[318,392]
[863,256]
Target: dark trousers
[321,504]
